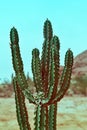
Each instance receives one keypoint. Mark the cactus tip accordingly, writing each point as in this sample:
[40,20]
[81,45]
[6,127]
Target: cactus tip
[14,35]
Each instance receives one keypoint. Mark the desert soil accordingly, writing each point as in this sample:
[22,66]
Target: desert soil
[72,114]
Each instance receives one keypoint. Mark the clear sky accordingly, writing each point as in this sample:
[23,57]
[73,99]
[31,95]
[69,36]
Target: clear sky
[69,22]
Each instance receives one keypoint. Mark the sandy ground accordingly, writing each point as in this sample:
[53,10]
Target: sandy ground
[72,114]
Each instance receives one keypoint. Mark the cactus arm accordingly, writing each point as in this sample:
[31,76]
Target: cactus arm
[66,76]
[17,63]
[36,70]
[65,87]
[53,70]
[22,115]
[16,58]
[47,32]
[52,116]
[45,66]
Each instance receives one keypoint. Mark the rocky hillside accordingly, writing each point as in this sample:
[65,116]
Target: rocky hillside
[80,64]
[79,74]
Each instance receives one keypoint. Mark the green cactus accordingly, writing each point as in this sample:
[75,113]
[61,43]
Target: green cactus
[50,86]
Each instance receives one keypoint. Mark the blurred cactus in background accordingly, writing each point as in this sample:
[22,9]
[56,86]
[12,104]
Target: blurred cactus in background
[50,85]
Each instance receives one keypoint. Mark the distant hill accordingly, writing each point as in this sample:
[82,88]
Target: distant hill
[79,74]
[80,64]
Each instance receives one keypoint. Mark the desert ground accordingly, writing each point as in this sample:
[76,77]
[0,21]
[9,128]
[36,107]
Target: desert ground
[72,114]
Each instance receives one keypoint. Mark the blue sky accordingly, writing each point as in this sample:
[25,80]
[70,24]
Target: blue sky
[69,22]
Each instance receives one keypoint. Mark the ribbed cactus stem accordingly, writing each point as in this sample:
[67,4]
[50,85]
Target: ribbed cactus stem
[18,63]
[65,77]
[36,70]
[37,118]
[54,66]
[22,115]
[52,116]
[47,33]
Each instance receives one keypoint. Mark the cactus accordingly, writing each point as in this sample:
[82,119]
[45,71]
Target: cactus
[50,85]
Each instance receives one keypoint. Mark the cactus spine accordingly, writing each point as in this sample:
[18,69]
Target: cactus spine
[50,86]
